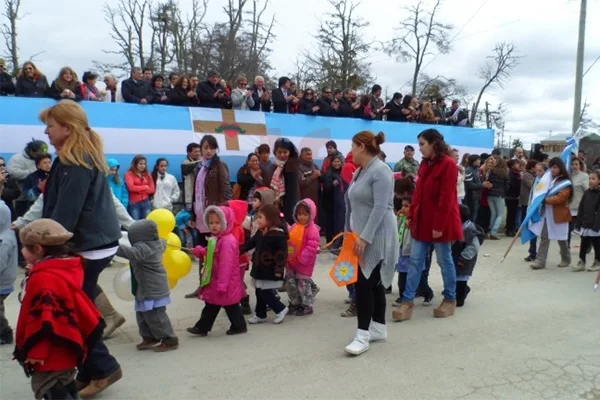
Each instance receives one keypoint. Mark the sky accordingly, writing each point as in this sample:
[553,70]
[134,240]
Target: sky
[538,96]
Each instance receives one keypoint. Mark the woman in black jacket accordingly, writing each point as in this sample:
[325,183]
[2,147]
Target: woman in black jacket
[66,86]
[31,82]
[159,91]
[284,178]
[498,177]
[394,108]
[334,204]
[183,94]
[308,104]
[78,196]
[249,177]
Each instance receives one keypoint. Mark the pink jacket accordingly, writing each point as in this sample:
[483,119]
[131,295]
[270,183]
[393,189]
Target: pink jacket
[226,286]
[305,264]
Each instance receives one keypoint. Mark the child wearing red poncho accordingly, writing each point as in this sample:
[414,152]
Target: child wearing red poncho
[57,321]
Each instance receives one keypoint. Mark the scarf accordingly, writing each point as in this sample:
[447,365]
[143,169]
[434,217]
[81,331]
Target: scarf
[277,181]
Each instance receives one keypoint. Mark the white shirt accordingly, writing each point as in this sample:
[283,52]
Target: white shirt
[167,192]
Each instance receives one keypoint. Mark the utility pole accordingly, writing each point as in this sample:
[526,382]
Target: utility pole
[579,66]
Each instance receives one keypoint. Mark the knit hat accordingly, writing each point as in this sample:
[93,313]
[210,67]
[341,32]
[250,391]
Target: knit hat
[45,232]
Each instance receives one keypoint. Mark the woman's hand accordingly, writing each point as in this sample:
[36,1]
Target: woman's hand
[359,247]
[437,235]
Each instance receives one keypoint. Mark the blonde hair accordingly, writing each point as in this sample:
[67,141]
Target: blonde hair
[83,147]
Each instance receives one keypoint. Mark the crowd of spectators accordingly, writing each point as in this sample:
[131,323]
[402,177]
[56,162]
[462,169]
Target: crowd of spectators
[145,87]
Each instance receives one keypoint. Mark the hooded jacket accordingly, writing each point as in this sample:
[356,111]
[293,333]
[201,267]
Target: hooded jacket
[267,196]
[8,252]
[240,209]
[118,189]
[464,252]
[304,264]
[226,286]
[146,254]
[349,168]
[57,322]
[20,166]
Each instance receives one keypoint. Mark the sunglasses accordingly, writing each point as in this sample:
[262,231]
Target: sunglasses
[2,165]
[327,92]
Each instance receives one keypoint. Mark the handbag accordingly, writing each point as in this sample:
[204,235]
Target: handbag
[345,268]
[208,263]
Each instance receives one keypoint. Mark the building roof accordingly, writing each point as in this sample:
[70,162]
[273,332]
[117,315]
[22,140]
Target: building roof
[559,137]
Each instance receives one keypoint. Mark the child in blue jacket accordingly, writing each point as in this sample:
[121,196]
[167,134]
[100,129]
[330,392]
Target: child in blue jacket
[117,185]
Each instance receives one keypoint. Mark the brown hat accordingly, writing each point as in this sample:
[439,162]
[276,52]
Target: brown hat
[45,232]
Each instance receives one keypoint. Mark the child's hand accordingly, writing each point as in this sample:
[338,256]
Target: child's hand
[199,251]
[33,362]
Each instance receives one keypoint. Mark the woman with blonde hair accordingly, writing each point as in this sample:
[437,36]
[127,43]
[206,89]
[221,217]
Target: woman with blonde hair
[427,116]
[31,82]
[78,196]
[66,85]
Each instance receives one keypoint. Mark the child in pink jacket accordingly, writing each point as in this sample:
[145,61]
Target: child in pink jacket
[304,240]
[226,288]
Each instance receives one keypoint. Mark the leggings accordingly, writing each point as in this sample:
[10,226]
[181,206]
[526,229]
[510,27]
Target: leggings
[586,243]
[370,299]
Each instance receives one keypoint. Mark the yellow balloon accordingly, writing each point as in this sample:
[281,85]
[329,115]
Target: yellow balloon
[177,263]
[173,242]
[165,221]
[173,283]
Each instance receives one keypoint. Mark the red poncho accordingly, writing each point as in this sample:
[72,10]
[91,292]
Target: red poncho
[57,321]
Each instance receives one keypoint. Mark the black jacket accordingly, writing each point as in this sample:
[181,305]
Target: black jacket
[157,95]
[501,184]
[6,84]
[514,186]
[134,92]
[326,108]
[80,199]
[54,92]
[346,109]
[280,104]
[588,216]
[270,254]
[206,94]
[306,107]
[29,88]
[259,103]
[473,185]
[395,113]
[178,97]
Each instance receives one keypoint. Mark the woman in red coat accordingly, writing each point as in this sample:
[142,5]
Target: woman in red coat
[434,219]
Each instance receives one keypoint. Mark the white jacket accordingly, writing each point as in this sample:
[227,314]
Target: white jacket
[460,182]
[20,166]
[167,192]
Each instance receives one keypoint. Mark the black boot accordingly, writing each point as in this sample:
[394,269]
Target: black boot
[246,309]
[6,337]
[461,293]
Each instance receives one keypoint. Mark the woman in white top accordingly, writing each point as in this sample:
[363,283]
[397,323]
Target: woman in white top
[581,183]
[167,188]
[460,183]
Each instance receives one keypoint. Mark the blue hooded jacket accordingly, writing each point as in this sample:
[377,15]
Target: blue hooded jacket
[118,189]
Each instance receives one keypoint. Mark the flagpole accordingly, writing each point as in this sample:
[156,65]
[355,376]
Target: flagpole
[512,242]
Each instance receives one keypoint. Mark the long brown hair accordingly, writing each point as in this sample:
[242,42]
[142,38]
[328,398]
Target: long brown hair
[500,169]
[436,139]
[60,82]
[83,147]
[36,72]
[134,163]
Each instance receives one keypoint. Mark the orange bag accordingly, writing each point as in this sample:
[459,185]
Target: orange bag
[345,269]
[295,241]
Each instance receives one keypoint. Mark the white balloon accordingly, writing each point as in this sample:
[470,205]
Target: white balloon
[122,284]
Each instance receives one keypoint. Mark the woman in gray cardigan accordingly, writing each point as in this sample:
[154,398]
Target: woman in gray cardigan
[370,214]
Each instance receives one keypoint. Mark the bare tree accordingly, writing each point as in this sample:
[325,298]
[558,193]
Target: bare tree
[128,21]
[432,88]
[416,34]
[9,32]
[259,36]
[302,75]
[162,18]
[498,71]
[585,121]
[341,57]
[186,34]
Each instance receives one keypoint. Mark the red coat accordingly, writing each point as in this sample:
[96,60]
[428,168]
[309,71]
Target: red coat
[350,168]
[435,202]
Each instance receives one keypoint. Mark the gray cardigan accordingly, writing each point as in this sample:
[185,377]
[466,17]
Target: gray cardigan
[370,213]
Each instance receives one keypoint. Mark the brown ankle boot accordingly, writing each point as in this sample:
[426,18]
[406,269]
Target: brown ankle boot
[404,312]
[111,316]
[97,386]
[446,309]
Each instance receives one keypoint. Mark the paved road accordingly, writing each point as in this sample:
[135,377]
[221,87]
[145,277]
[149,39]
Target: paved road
[523,334]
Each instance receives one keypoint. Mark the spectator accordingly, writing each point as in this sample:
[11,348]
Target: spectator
[147,74]
[7,86]
[135,89]
[308,176]
[408,165]
[458,116]
[364,110]
[498,177]
[22,164]
[519,154]
[348,169]
[183,94]
[266,165]
[538,152]
[376,102]
[338,94]
[89,91]
[173,78]
[460,182]
[427,115]
[473,185]
[159,91]
[407,110]
[327,105]
[261,95]
[112,86]
[66,85]
[440,111]
[393,109]
[512,197]
[241,97]
[140,186]
[31,82]
[527,179]
[34,184]
[188,167]
[332,152]
[211,93]
[283,97]
[334,206]
[117,185]
[223,83]
[349,108]
[309,104]
[167,188]
[249,177]
[580,183]
[284,177]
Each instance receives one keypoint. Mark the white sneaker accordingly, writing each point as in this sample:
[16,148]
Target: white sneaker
[279,317]
[255,320]
[377,331]
[360,344]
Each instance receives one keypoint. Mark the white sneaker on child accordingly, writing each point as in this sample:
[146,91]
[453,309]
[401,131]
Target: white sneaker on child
[360,344]
[377,332]
[279,317]
[255,320]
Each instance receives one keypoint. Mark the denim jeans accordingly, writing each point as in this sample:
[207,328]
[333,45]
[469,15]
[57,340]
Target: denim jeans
[418,254]
[139,210]
[351,292]
[497,205]
[99,363]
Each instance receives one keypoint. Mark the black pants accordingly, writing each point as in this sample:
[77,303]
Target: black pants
[483,218]
[511,215]
[62,392]
[571,228]
[202,241]
[370,299]
[401,283]
[210,312]
[586,243]
[266,297]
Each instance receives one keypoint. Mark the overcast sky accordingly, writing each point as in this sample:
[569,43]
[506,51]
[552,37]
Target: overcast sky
[539,95]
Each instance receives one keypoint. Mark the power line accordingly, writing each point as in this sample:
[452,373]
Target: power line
[590,67]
